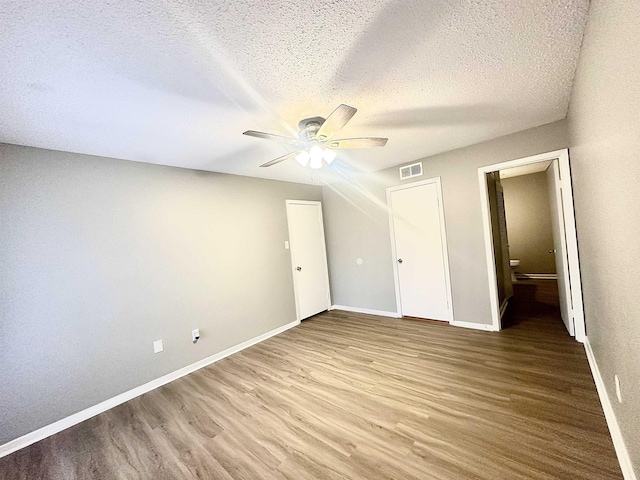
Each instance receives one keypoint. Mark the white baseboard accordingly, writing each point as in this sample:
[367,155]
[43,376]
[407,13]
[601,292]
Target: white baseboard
[369,311]
[537,276]
[83,415]
[474,326]
[614,429]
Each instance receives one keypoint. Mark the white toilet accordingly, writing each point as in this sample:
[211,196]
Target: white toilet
[514,264]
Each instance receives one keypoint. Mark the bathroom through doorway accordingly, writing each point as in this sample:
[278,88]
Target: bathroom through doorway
[530,238]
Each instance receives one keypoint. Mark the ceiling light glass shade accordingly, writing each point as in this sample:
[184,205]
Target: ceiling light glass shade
[316,153]
[316,162]
[329,156]
[303,158]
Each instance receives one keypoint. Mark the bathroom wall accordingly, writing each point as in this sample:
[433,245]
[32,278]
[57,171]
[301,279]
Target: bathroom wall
[526,200]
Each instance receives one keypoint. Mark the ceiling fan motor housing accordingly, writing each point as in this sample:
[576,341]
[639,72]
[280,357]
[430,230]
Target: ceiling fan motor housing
[309,127]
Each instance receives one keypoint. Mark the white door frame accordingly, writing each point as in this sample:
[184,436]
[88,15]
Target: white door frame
[443,234]
[562,157]
[288,203]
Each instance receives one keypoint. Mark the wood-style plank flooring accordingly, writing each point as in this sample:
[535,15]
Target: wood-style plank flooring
[348,396]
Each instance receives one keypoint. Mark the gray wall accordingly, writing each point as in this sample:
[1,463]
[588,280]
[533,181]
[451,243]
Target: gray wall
[357,224]
[604,125]
[101,257]
[526,200]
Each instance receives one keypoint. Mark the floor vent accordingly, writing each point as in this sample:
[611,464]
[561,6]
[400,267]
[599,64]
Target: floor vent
[410,171]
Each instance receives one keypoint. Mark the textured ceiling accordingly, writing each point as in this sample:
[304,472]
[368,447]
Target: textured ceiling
[177,82]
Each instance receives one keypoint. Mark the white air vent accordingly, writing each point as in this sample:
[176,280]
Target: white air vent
[410,171]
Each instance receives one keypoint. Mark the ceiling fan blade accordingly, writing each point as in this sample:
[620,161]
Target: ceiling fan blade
[365,142]
[275,138]
[334,122]
[281,159]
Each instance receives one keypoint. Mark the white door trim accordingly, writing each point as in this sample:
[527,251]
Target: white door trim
[293,254]
[562,156]
[443,234]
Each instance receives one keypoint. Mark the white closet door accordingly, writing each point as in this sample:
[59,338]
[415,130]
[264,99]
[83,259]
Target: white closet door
[308,257]
[420,252]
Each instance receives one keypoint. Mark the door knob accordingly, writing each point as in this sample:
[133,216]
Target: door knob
[553,250]
[399,260]
[298,268]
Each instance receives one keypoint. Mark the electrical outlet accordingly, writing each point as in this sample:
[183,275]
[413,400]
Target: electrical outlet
[618,392]
[157,346]
[195,335]
[286,244]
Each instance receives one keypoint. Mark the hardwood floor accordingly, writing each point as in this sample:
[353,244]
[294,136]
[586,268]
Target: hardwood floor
[350,396]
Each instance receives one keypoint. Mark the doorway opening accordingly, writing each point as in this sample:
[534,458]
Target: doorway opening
[530,238]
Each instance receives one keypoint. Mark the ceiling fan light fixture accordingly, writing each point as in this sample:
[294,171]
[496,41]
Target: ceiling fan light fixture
[316,152]
[314,142]
[303,158]
[315,162]
[329,156]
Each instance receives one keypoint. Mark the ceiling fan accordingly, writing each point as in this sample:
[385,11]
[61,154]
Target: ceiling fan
[315,139]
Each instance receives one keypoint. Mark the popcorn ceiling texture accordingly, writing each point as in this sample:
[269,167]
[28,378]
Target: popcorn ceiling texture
[177,82]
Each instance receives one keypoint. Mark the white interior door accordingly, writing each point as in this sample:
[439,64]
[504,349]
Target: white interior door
[560,245]
[421,264]
[308,257]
